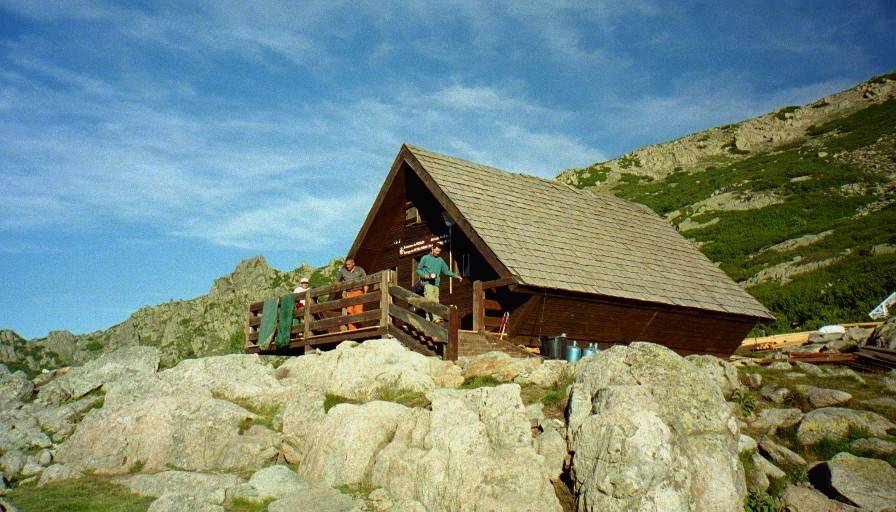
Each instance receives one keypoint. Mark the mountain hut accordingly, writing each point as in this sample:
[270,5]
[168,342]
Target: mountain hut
[540,258]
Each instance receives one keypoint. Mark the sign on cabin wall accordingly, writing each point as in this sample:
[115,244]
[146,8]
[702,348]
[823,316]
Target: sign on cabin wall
[422,245]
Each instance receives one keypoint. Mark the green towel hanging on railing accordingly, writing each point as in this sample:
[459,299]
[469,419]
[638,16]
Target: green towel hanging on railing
[287,306]
[268,323]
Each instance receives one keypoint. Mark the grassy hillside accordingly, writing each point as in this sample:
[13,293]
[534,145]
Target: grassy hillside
[807,224]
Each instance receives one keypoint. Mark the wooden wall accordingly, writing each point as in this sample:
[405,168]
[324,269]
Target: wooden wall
[388,234]
[610,321]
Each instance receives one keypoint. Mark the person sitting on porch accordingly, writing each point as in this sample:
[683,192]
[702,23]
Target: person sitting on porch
[348,273]
[300,291]
[430,270]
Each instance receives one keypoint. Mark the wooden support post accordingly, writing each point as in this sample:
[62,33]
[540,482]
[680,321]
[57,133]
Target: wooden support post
[385,298]
[453,324]
[478,307]
[306,322]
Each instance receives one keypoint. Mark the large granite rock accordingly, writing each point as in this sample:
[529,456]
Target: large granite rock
[318,498]
[834,423]
[300,416]
[869,483]
[780,455]
[648,431]
[804,499]
[271,483]
[60,421]
[182,503]
[58,473]
[207,487]
[723,373]
[15,386]
[184,432]
[823,397]
[499,365]
[19,430]
[345,444]
[769,420]
[358,371]
[242,378]
[122,364]
[884,335]
[473,451]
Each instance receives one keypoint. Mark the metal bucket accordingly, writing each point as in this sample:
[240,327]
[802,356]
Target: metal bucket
[573,353]
[552,347]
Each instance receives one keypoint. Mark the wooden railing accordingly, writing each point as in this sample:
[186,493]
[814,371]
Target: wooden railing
[387,309]
[487,312]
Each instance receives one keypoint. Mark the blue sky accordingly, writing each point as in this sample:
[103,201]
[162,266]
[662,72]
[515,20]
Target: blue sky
[146,148]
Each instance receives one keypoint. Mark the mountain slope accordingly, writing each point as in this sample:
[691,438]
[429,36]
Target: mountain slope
[206,325]
[799,204]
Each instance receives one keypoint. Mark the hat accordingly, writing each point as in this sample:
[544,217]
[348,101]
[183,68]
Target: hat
[304,280]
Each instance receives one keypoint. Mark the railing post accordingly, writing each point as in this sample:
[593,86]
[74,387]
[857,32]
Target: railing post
[385,300]
[306,321]
[246,343]
[451,348]
[478,307]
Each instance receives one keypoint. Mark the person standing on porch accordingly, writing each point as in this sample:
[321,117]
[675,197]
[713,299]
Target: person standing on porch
[430,270]
[348,273]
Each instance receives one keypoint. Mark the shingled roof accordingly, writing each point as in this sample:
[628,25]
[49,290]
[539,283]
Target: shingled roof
[551,235]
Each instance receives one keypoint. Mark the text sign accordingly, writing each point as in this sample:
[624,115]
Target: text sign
[422,245]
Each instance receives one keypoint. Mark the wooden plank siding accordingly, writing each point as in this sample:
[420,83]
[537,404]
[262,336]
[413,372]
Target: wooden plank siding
[387,233]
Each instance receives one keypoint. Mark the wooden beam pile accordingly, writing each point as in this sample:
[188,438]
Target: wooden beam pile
[868,359]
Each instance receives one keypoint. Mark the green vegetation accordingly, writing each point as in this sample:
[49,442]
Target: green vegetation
[401,396]
[94,346]
[591,176]
[762,502]
[244,505]
[810,191]
[479,382]
[745,401]
[237,342]
[629,161]
[83,495]
[781,114]
[331,400]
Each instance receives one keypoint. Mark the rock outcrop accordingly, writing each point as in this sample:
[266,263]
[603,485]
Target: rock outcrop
[648,431]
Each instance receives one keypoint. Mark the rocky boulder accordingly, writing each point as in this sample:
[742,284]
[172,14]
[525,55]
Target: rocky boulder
[472,451]
[346,443]
[835,422]
[185,432]
[122,364]
[358,371]
[207,487]
[823,397]
[770,420]
[15,386]
[804,499]
[723,373]
[235,377]
[648,431]
[868,483]
[884,335]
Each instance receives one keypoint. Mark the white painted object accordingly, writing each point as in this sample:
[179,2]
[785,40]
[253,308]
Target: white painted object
[881,311]
[832,329]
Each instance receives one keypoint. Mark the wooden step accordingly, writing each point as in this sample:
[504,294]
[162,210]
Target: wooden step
[472,343]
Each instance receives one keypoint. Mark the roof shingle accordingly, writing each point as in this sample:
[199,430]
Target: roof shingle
[551,235]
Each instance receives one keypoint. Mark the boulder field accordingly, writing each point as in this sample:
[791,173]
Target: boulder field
[376,427]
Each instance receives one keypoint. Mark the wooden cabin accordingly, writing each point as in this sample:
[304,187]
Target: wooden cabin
[540,258]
